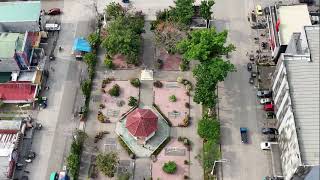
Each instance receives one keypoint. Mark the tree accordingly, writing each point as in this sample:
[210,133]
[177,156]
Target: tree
[205,9]
[123,37]
[210,154]
[107,163]
[132,101]
[94,39]
[90,59]
[114,10]
[183,11]
[73,162]
[216,70]
[204,45]
[209,128]
[86,87]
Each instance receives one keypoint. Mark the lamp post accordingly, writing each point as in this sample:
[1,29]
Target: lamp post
[214,164]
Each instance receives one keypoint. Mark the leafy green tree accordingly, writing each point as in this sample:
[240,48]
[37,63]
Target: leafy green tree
[204,45]
[114,10]
[107,163]
[183,11]
[86,87]
[210,154]
[209,128]
[90,59]
[205,9]
[94,39]
[73,162]
[208,75]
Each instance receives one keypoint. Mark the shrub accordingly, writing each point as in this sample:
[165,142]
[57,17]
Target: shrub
[188,93]
[102,106]
[107,163]
[132,101]
[108,63]
[172,98]
[183,66]
[170,167]
[185,177]
[90,59]
[101,117]
[180,138]
[115,90]
[186,162]
[159,64]
[180,79]
[158,84]
[94,40]
[135,82]
[188,87]
[187,105]
[86,88]
[186,121]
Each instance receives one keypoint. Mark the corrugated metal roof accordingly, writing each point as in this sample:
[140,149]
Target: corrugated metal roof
[303,78]
[20,11]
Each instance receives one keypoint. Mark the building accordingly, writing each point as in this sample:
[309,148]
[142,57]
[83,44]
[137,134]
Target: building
[282,21]
[296,98]
[142,124]
[9,139]
[18,92]
[19,52]
[20,16]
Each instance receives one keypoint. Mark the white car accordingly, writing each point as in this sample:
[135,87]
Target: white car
[265,145]
[265,100]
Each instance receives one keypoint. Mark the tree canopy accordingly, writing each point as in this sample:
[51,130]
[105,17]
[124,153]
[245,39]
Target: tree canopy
[209,128]
[107,163]
[204,45]
[123,36]
[205,9]
[183,11]
[114,10]
[208,75]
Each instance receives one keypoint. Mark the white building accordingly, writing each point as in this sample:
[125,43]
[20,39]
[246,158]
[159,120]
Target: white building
[282,21]
[296,98]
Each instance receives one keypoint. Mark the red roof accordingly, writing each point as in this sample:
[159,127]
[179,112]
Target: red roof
[17,91]
[142,122]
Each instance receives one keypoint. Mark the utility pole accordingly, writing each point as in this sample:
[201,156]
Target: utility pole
[214,164]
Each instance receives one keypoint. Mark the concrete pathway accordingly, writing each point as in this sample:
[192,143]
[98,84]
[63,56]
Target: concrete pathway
[142,169]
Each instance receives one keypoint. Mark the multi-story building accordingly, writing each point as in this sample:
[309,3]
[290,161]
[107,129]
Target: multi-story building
[20,16]
[282,21]
[296,98]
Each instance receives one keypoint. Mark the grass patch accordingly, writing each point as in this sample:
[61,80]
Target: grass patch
[165,117]
[124,145]
[158,150]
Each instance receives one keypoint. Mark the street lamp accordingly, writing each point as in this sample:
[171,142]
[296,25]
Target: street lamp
[214,164]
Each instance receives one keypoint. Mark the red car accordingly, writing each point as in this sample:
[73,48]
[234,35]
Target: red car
[54,11]
[268,107]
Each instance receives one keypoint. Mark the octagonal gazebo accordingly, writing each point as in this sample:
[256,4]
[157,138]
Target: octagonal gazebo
[142,124]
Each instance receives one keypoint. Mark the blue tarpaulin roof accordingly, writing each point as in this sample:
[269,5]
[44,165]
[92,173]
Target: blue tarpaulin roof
[81,44]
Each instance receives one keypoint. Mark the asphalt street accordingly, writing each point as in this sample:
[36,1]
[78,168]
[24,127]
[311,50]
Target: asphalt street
[238,105]
[53,142]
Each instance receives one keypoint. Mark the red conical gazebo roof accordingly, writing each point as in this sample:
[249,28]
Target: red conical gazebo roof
[142,122]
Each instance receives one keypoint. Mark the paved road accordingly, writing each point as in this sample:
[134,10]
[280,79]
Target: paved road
[53,142]
[238,103]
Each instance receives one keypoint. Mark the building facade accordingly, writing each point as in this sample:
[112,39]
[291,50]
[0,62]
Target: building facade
[296,98]
[282,21]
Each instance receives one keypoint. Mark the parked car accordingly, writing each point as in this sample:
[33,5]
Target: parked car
[253,74]
[249,66]
[258,10]
[244,135]
[54,11]
[270,115]
[265,100]
[264,93]
[251,80]
[265,145]
[268,107]
[269,131]
[272,137]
